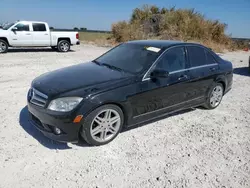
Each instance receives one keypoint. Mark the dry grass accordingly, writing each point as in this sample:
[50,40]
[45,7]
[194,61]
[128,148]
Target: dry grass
[151,22]
[100,39]
[93,36]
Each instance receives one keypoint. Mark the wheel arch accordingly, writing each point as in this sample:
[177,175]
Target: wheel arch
[222,81]
[111,102]
[223,84]
[64,38]
[122,107]
[5,39]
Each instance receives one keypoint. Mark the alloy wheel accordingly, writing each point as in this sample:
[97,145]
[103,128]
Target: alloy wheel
[216,96]
[105,125]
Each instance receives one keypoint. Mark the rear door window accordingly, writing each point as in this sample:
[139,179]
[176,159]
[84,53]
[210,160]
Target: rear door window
[210,58]
[39,27]
[197,56]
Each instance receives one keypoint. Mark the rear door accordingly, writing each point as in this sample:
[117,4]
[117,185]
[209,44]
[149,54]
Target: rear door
[22,36]
[41,34]
[202,71]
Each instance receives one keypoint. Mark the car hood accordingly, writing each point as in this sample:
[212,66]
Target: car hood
[3,32]
[77,77]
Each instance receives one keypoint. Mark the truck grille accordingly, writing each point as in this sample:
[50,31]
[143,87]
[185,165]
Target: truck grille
[38,98]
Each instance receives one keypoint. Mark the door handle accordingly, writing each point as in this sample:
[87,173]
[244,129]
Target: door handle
[28,34]
[183,77]
[46,34]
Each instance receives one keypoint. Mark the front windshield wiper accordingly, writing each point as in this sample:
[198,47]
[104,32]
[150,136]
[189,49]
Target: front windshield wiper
[112,67]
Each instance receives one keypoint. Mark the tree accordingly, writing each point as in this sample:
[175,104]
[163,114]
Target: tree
[83,29]
[76,29]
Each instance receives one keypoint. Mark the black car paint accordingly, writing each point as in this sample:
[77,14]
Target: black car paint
[140,99]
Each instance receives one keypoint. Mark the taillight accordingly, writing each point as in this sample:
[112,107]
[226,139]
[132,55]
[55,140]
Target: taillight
[77,35]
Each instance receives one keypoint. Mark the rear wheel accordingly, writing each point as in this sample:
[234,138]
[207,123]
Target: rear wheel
[102,125]
[63,46]
[215,96]
[3,46]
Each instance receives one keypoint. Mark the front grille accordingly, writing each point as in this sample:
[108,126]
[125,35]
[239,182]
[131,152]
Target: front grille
[38,98]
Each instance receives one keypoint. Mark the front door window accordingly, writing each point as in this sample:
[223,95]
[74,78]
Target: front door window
[174,60]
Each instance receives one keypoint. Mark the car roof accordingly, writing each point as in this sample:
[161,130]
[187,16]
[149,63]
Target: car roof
[160,43]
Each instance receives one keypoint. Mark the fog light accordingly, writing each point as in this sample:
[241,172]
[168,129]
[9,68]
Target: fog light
[57,130]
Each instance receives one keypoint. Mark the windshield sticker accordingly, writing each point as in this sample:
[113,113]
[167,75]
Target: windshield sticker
[153,49]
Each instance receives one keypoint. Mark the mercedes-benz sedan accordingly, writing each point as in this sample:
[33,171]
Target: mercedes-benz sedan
[132,83]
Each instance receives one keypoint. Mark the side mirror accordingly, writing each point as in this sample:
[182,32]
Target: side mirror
[14,29]
[159,73]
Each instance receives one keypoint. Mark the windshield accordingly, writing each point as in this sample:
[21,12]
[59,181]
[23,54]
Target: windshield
[132,58]
[7,26]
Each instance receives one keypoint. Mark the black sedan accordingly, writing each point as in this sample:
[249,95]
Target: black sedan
[132,83]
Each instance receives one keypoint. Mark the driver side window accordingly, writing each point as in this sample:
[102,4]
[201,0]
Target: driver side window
[173,60]
[22,27]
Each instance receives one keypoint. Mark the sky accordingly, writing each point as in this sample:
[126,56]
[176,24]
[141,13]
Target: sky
[100,14]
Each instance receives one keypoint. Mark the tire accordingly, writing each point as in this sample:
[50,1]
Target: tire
[3,46]
[63,46]
[93,131]
[216,92]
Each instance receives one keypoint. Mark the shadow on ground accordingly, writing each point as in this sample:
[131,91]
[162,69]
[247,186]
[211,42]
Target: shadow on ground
[46,142]
[243,71]
[17,50]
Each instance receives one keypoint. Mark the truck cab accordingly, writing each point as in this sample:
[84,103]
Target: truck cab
[35,34]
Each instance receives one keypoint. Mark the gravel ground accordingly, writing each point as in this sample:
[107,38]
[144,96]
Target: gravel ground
[198,148]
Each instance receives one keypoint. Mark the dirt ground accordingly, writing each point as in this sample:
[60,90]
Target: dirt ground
[198,148]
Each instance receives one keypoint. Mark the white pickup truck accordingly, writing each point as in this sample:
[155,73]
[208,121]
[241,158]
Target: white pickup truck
[35,34]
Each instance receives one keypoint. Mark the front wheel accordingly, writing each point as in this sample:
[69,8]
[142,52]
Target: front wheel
[102,125]
[3,46]
[63,46]
[215,96]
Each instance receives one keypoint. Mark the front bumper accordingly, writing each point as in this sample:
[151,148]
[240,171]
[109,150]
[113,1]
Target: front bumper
[46,122]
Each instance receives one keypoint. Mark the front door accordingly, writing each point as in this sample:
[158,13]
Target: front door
[22,35]
[163,94]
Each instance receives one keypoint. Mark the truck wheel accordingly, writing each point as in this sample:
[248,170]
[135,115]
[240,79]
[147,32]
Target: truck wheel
[3,46]
[63,46]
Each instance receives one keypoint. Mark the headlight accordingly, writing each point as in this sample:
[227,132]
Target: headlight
[65,104]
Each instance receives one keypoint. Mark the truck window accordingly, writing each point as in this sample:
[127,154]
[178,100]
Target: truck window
[39,27]
[22,27]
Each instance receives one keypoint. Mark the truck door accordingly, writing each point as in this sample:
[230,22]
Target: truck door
[41,34]
[20,35]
